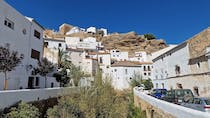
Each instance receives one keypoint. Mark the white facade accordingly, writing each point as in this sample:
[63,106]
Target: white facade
[118,55]
[52,47]
[104,31]
[75,30]
[140,56]
[123,72]
[25,36]
[92,30]
[55,44]
[87,43]
[104,61]
[166,65]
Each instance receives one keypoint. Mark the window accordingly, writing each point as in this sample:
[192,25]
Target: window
[59,45]
[35,54]
[149,74]
[37,34]
[145,68]
[46,44]
[115,70]
[145,73]
[37,81]
[177,69]
[126,71]
[149,68]
[156,85]
[163,85]
[198,64]
[100,60]
[9,23]
[24,31]
[52,84]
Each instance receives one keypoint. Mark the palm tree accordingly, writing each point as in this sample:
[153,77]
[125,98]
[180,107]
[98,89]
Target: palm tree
[60,57]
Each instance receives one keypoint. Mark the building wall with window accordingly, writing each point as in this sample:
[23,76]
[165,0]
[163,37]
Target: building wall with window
[185,66]
[118,55]
[123,72]
[122,76]
[171,64]
[104,61]
[18,31]
[140,56]
[76,56]
[55,44]
[51,49]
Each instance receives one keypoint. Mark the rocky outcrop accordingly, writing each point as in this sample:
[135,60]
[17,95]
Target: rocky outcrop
[130,42]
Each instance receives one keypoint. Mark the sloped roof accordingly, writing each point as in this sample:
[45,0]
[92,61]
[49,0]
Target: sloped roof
[129,64]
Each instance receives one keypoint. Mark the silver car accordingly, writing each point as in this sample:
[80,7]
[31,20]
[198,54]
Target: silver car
[198,103]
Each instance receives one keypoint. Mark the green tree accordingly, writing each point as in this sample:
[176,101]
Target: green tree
[148,84]
[149,36]
[61,57]
[62,77]
[137,80]
[66,108]
[23,111]
[44,67]
[9,59]
[98,101]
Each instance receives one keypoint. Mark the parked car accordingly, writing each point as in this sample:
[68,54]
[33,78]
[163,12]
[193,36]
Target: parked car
[198,103]
[178,96]
[158,93]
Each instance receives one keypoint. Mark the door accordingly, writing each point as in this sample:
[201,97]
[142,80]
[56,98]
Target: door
[30,82]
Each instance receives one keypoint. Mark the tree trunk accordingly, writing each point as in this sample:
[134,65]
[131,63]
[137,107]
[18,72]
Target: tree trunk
[5,81]
[45,81]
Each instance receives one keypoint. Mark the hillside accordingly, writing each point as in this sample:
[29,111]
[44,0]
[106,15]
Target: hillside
[130,42]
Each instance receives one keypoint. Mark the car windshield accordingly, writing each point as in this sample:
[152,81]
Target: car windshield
[207,101]
[181,93]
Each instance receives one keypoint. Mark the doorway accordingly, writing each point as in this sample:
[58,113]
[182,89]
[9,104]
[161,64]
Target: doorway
[30,82]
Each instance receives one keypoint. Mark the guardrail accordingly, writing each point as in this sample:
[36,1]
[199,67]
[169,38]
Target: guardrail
[10,97]
[170,108]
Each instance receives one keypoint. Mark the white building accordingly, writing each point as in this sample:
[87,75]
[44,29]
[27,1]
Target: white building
[185,66]
[89,43]
[24,36]
[91,30]
[118,55]
[52,47]
[122,72]
[79,58]
[75,30]
[140,56]
[105,32]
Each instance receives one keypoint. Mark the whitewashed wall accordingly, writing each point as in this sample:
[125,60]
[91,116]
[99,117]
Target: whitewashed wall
[8,98]
[54,44]
[164,67]
[19,41]
[121,79]
[173,109]
[118,55]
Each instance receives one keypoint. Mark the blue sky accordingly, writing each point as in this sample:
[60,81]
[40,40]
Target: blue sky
[171,20]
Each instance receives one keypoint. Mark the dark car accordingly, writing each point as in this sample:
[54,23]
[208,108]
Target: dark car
[158,93]
[198,103]
[178,96]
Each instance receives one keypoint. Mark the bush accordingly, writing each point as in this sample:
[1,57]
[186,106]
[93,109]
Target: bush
[24,110]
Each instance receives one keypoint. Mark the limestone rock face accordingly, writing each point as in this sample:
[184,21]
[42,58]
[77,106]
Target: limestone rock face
[132,42]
